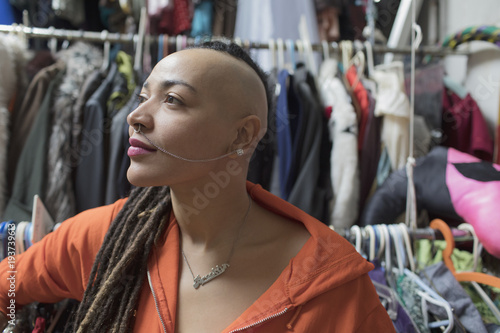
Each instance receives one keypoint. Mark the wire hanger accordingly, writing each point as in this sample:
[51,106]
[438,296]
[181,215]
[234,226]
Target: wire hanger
[483,278]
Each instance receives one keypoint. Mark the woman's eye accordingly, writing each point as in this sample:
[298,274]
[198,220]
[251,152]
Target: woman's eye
[141,99]
[172,100]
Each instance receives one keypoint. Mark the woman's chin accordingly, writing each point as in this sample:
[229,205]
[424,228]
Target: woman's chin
[141,180]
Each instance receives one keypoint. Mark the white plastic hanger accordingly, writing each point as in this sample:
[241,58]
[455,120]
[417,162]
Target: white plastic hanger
[300,49]
[326,50]
[407,241]
[281,53]
[272,51]
[106,51]
[476,252]
[178,43]
[371,247]
[397,240]
[429,295]
[425,313]
[381,239]
[291,51]
[356,230]
[138,68]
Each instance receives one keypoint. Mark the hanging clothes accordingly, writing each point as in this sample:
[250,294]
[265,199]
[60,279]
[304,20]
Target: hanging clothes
[311,186]
[343,129]
[361,96]
[261,20]
[464,127]
[224,17]
[261,164]
[81,60]
[284,133]
[24,117]
[13,57]
[90,173]
[439,277]
[393,105]
[369,154]
[203,19]
[93,81]
[30,178]
[117,185]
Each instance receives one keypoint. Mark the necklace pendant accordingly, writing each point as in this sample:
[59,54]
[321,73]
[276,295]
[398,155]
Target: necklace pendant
[216,271]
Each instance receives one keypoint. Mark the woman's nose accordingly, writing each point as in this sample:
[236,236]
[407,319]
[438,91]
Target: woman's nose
[140,115]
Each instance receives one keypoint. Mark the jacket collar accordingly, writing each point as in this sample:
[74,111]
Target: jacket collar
[325,262]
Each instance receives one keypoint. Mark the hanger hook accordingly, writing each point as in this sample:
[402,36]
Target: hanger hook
[418,35]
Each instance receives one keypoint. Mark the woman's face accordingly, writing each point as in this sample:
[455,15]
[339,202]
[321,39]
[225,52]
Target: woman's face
[190,107]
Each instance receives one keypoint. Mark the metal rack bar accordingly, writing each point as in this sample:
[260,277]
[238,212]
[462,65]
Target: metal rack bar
[100,37]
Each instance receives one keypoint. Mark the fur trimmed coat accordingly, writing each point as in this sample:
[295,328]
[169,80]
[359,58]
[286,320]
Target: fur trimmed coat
[81,60]
[13,58]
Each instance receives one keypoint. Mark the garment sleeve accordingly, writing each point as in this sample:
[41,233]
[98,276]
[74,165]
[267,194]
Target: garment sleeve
[58,266]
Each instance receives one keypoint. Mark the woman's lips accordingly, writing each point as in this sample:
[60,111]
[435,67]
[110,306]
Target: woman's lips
[137,147]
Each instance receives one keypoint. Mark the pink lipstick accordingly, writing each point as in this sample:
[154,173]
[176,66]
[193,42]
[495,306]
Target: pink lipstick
[137,147]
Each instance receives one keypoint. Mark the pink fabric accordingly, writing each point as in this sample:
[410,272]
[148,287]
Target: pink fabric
[497,143]
[475,201]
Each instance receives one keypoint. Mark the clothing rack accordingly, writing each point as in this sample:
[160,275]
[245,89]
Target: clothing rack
[101,37]
[460,236]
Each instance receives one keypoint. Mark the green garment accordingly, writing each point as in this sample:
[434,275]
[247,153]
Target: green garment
[124,83]
[31,172]
[430,252]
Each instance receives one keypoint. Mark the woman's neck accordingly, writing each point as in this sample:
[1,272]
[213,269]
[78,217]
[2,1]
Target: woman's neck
[210,213]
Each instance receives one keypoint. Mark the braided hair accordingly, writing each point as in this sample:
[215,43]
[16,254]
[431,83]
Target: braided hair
[120,267]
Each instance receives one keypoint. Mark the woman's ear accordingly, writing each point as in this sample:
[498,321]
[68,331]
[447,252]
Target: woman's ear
[248,132]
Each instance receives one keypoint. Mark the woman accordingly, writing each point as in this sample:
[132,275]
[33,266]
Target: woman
[210,252]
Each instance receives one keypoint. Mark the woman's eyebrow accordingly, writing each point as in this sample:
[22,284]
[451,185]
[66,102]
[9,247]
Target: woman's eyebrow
[170,83]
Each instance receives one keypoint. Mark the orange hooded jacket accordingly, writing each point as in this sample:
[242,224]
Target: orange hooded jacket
[325,288]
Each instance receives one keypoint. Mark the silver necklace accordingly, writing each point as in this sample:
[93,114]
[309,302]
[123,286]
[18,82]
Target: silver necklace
[217,270]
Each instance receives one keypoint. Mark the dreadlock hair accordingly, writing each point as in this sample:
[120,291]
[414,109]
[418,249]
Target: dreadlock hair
[120,266]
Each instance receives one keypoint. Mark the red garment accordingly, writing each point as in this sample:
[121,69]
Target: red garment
[39,325]
[181,16]
[362,97]
[325,288]
[464,127]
